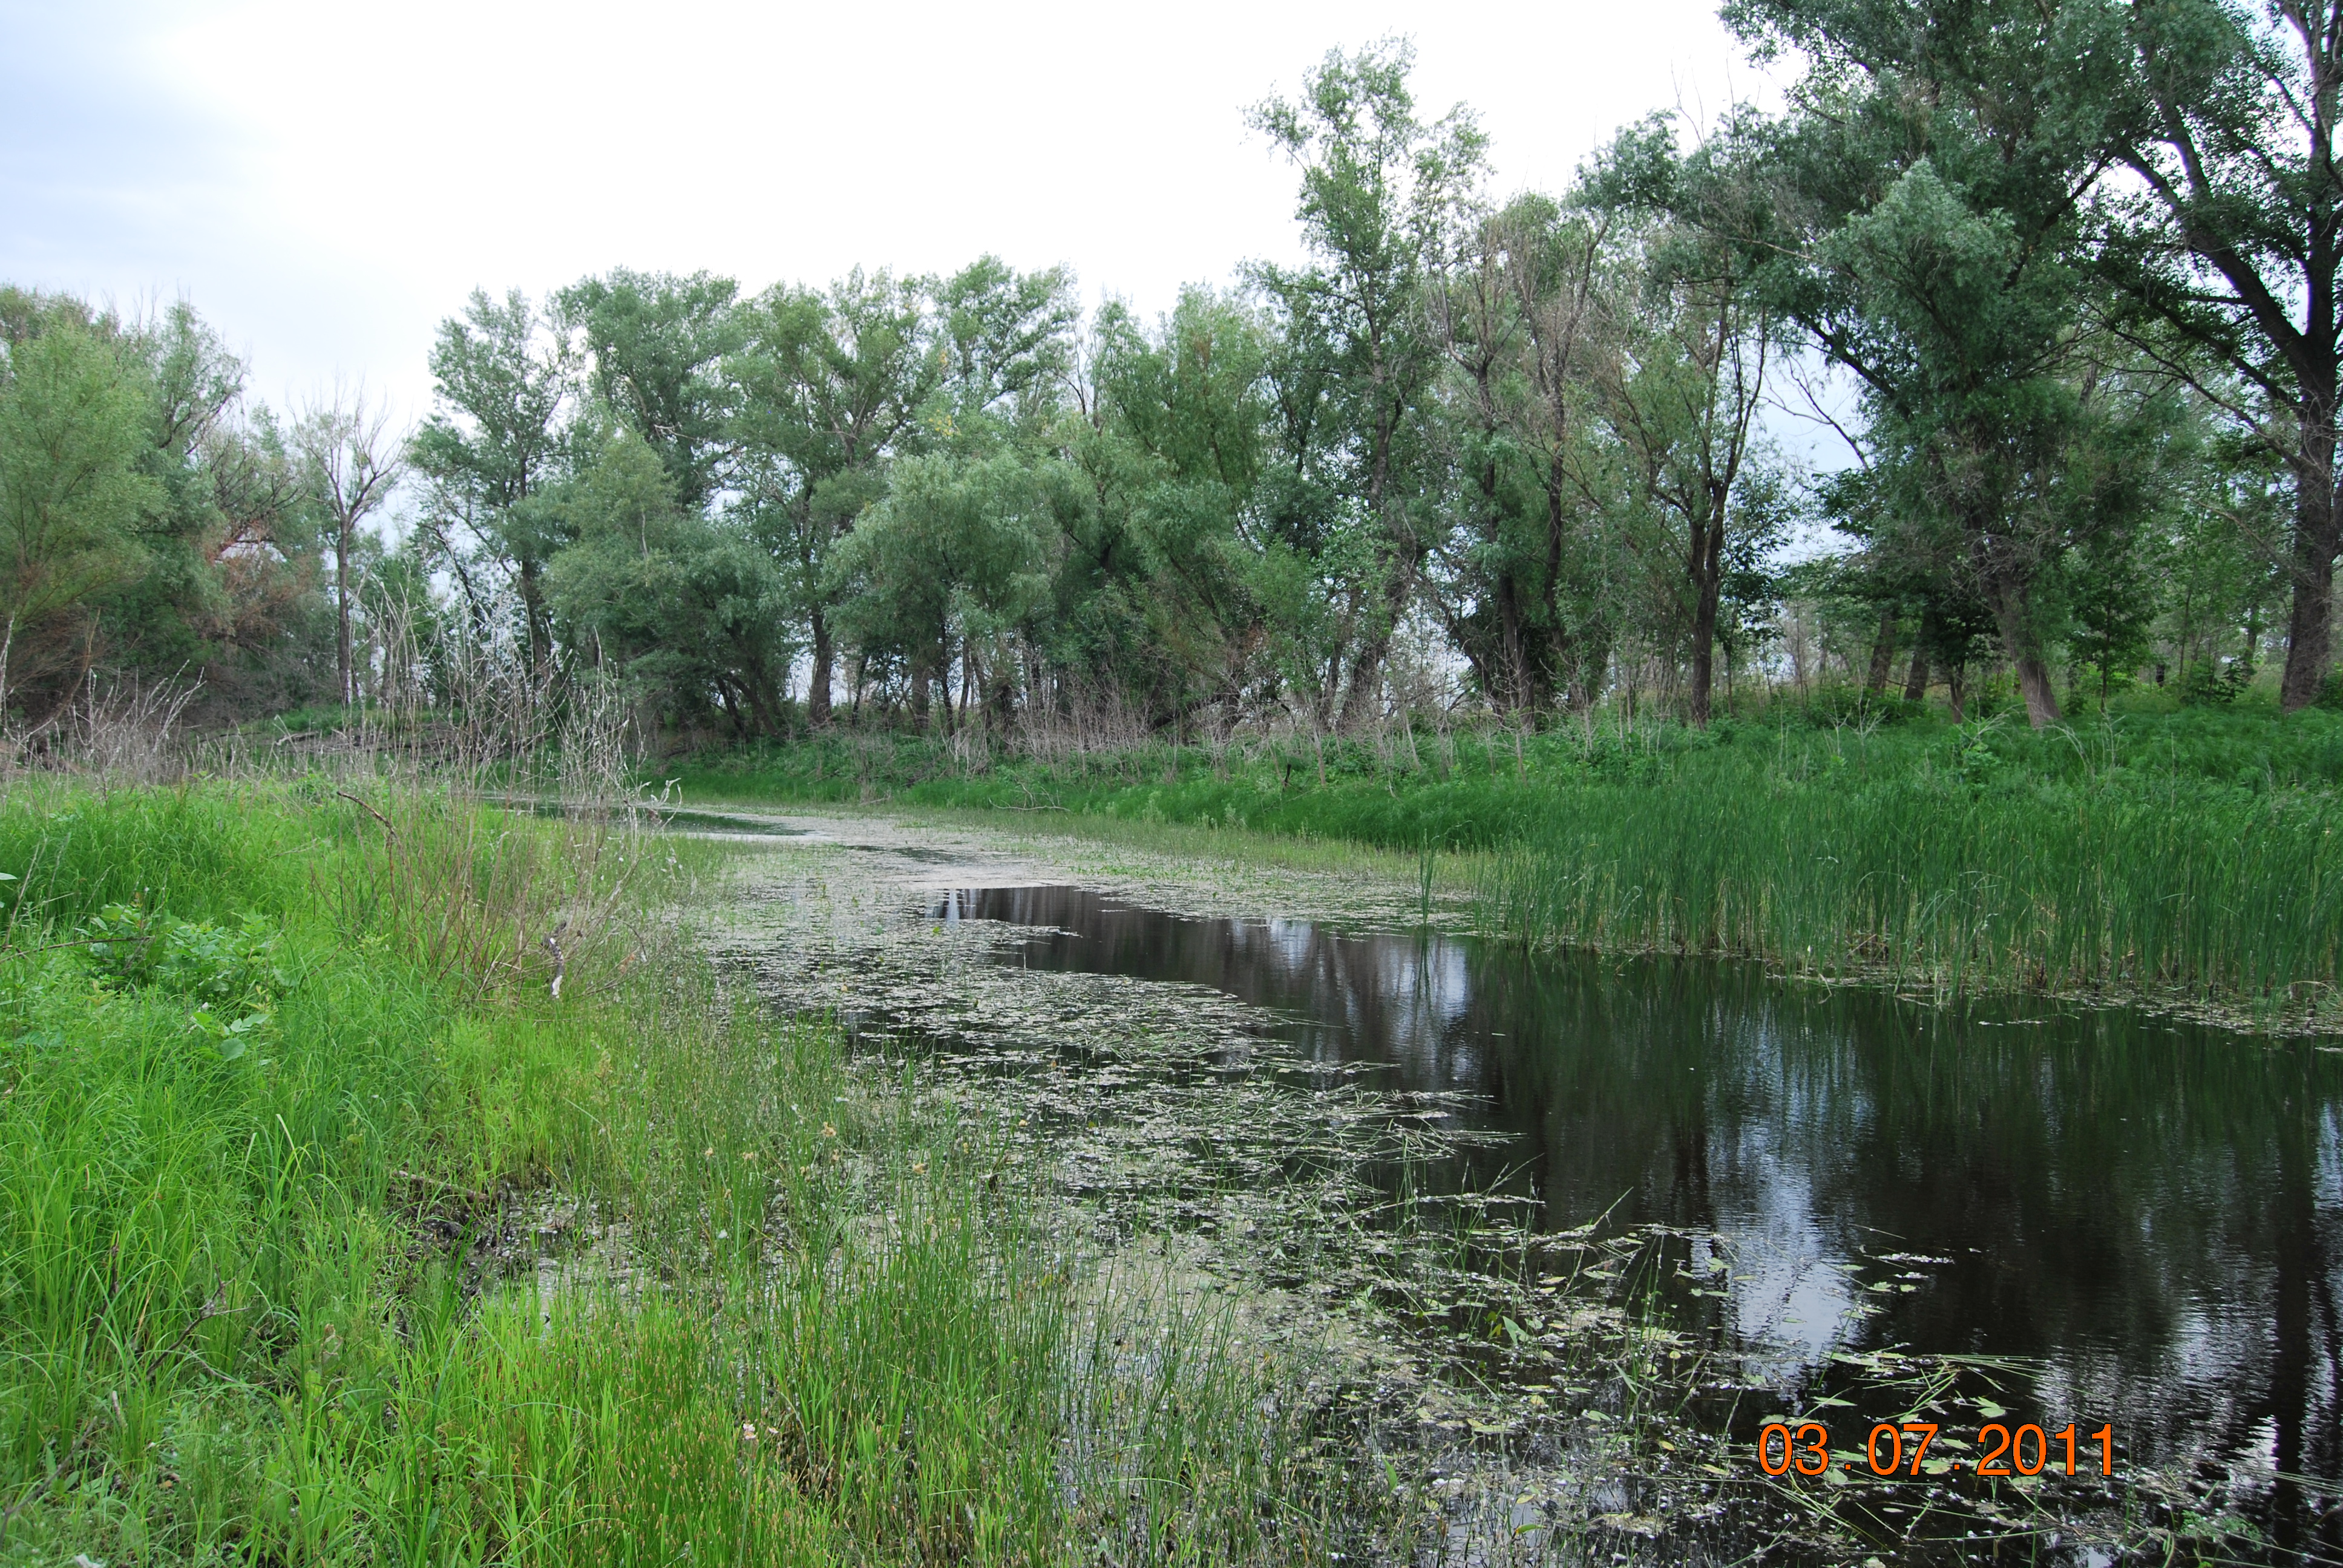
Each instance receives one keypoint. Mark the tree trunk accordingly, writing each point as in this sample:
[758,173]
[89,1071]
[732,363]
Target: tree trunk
[1557,517]
[2309,640]
[818,682]
[1916,678]
[1883,651]
[2041,696]
[342,607]
[1708,581]
[1516,676]
[1593,667]
[532,605]
[1367,665]
[2013,613]
[1406,560]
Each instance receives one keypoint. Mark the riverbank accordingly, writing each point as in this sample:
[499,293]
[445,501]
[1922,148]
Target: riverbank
[2185,860]
[380,1171]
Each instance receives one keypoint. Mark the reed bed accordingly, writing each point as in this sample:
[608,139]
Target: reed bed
[2187,856]
[2204,891]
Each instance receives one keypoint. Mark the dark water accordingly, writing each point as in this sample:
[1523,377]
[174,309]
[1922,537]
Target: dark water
[2147,1216]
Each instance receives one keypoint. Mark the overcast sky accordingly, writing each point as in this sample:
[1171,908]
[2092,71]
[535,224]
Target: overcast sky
[327,182]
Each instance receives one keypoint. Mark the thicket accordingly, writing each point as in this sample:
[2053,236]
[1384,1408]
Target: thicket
[331,1230]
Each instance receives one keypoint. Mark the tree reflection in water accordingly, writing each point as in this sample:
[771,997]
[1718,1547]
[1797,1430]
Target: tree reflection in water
[2149,1212]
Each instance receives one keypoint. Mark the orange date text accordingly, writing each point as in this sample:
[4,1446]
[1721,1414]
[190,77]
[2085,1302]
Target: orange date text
[1901,1449]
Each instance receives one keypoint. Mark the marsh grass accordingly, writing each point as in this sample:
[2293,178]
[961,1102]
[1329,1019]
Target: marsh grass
[2204,893]
[2187,858]
[440,1266]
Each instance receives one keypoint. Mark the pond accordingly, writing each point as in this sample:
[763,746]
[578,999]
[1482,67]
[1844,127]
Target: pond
[2092,1217]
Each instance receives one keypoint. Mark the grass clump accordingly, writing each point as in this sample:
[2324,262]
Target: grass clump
[331,1232]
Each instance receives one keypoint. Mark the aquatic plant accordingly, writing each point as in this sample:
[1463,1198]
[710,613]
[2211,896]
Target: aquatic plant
[2185,856]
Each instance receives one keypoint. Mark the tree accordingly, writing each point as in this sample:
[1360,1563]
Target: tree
[262,621]
[688,608]
[216,571]
[656,343]
[1926,197]
[1004,338]
[1559,267]
[1681,390]
[955,560]
[2232,237]
[503,384]
[352,460]
[2114,607]
[1531,501]
[1169,433]
[73,488]
[828,386]
[1379,188]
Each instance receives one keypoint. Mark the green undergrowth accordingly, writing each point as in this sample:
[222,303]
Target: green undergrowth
[2185,856]
[329,1232]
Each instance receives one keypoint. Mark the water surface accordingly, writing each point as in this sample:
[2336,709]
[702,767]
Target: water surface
[2139,1220]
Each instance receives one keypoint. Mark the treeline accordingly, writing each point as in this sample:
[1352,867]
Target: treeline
[2059,278]
[156,523]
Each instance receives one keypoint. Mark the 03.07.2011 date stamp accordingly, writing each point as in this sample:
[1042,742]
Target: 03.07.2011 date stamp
[1900,1448]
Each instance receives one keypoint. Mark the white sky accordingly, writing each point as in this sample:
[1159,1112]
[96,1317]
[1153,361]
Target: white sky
[327,182]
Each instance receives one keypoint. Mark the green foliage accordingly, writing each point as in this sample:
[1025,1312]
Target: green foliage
[187,854]
[213,964]
[1525,434]
[679,605]
[656,343]
[230,973]
[503,386]
[956,558]
[2113,608]
[74,487]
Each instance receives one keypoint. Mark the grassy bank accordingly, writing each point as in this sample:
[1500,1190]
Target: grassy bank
[2186,856]
[332,1231]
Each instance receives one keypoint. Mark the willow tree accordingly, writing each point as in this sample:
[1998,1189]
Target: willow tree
[1379,187]
[1680,387]
[503,388]
[73,488]
[948,573]
[832,385]
[2230,233]
[351,461]
[1923,198]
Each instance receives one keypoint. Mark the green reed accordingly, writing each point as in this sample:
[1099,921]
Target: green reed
[2200,889]
[2173,854]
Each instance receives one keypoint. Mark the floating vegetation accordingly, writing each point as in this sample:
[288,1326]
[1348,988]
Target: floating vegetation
[1526,1394]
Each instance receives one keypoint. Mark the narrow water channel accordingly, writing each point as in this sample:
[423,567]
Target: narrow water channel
[2132,1222]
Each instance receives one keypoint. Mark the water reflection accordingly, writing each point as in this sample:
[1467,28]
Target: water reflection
[2149,1213]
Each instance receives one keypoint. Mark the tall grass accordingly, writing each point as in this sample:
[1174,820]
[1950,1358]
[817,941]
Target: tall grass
[2173,854]
[2203,891]
[429,1264]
